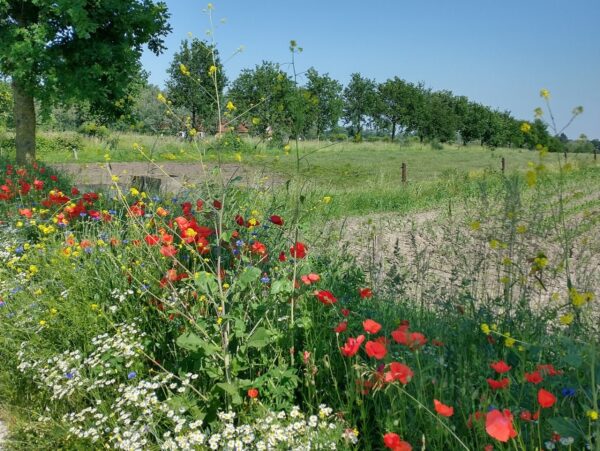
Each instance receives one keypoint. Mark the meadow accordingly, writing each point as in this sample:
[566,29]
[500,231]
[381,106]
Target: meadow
[336,309]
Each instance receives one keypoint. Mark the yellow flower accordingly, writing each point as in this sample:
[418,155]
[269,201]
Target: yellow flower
[210,6]
[212,70]
[161,98]
[592,415]
[544,93]
[134,191]
[521,228]
[475,225]
[566,319]
[287,148]
[494,244]
[106,157]
[184,70]
[94,306]
[225,286]
[255,120]
[230,106]
[33,269]
[531,178]
[42,323]
[485,329]
[327,199]
[238,156]
[53,311]
[525,127]
[509,342]
[114,178]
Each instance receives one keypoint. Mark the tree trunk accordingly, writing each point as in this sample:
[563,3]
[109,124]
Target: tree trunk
[393,131]
[24,116]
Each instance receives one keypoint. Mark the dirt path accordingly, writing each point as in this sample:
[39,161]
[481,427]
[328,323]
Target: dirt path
[173,176]
[3,433]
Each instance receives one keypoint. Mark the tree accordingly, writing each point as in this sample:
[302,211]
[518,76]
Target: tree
[54,51]
[196,77]
[360,97]
[398,103]
[266,94]
[325,104]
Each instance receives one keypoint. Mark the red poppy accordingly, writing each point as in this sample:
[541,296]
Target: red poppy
[488,448]
[240,220]
[341,327]
[443,409]
[217,204]
[310,278]
[549,370]
[499,425]
[74,191]
[282,257]
[500,367]
[375,349]
[371,327]
[277,220]
[395,443]
[525,415]
[545,398]
[534,377]
[352,346]
[325,297]
[168,251]
[298,250]
[25,212]
[38,185]
[399,372]
[252,393]
[258,248]
[498,385]
[199,204]
[345,312]
[365,293]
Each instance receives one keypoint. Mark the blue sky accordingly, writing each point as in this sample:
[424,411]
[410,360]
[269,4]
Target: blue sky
[499,53]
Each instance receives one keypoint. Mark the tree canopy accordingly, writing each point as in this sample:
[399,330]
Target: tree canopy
[196,81]
[55,51]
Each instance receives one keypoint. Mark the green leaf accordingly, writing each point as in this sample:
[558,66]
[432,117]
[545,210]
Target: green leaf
[281,286]
[232,390]
[206,282]
[249,275]
[194,343]
[566,427]
[259,339]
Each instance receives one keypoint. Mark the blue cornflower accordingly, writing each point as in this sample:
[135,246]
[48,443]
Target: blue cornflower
[70,375]
[239,243]
[568,392]
[131,375]
[265,279]
[19,250]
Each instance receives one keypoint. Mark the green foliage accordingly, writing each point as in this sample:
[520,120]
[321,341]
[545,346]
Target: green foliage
[360,101]
[325,103]
[6,105]
[94,130]
[81,50]
[268,97]
[193,86]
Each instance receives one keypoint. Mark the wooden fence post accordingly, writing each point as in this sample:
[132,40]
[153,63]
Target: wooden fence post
[403,172]
[503,165]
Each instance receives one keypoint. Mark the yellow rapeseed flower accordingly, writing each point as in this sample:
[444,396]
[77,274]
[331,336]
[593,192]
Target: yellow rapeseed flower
[212,70]
[566,319]
[544,93]
[485,329]
[525,127]
[327,199]
[230,106]
[592,415]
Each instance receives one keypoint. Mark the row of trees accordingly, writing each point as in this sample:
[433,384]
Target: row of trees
[268,100]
